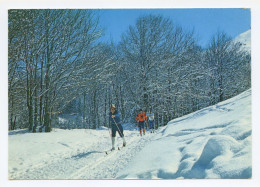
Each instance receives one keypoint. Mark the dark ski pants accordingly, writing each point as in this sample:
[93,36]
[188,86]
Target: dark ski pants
[118,129]
[141,125]
[151,124]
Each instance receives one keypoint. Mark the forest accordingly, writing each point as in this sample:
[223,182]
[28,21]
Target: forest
[58,68]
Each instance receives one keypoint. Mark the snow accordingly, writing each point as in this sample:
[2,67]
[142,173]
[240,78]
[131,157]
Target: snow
[245,40]
[213,143]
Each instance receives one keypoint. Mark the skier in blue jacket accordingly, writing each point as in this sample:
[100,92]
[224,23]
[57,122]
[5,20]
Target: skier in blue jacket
[116,126]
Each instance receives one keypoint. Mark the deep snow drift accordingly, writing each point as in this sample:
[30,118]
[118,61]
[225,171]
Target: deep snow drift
[214,142]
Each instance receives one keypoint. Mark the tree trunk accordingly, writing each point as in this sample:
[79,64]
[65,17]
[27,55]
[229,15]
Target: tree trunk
[41,97]
[35,98]
[84,111]
[47,81]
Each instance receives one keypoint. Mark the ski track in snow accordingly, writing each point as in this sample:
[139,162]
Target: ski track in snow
[110,164]
[83,165]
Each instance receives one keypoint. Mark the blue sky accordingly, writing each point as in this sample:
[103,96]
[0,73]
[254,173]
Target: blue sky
[206,22]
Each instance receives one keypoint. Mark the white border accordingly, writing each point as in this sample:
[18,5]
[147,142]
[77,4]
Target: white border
[9,4]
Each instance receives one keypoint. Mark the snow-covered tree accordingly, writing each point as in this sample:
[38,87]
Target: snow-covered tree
[57,67]
[229,66]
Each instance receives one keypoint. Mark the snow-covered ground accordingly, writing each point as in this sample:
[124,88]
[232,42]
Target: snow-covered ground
[214,142]
[245,40]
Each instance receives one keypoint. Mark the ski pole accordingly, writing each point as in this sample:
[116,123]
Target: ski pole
[110,134]
[118,127]
[121,134]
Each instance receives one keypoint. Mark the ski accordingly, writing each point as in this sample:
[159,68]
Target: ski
[109,151]
[121,147]
[118,148]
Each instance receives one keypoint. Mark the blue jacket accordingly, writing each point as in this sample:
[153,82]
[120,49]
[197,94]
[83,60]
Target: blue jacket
[150,116]
[116,119]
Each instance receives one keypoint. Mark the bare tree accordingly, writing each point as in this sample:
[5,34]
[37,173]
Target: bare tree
[57,66]
[229,65]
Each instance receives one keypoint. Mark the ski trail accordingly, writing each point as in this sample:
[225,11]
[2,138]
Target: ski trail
[112,163]
[90,167]
[89,163]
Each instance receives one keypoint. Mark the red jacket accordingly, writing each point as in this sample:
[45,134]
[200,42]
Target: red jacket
[141,117]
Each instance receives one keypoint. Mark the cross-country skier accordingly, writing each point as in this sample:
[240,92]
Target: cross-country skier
[141,118]
[114,117]
[150,116]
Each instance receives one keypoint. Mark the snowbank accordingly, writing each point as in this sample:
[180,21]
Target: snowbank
[214,142]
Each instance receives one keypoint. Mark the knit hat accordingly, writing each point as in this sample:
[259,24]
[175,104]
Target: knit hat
[113,106]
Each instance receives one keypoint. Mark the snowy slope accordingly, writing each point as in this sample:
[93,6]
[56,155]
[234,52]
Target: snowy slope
[214,142]
[245,40]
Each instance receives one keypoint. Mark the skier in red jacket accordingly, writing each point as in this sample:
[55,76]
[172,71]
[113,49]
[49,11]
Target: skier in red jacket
[141,118]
